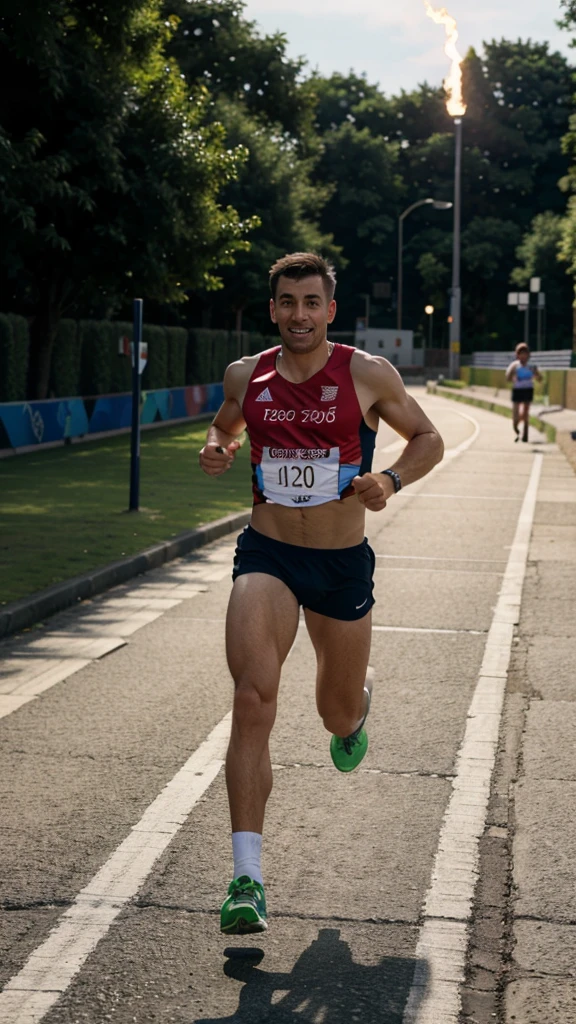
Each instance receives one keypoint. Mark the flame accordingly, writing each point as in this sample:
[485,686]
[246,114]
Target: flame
[453,82]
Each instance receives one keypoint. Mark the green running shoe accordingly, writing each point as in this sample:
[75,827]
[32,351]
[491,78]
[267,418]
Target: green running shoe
[244,909]
[348,751]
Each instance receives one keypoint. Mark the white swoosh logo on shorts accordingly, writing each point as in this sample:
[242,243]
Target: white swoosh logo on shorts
[361,605]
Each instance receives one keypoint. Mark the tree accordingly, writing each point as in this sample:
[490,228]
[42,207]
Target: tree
[273,185]
[111,177]
[216,46]
[518,96]
[539,255]
[433,273]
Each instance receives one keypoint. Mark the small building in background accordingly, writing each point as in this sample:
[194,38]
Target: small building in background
[396,346]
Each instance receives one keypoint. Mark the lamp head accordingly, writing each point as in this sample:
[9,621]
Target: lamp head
[439,204]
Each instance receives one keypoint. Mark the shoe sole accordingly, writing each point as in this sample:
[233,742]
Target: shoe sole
[246,921]
[243,927]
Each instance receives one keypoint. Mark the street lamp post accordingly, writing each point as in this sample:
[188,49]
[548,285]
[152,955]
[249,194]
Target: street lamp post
[429,310]
[438,204]
[455,305]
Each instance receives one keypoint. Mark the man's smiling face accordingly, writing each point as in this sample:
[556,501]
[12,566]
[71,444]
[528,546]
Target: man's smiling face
[301,309]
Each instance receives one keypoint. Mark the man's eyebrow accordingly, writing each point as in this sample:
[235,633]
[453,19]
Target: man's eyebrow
[290,295]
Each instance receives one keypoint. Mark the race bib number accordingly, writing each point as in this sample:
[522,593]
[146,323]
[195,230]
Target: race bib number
[300,476]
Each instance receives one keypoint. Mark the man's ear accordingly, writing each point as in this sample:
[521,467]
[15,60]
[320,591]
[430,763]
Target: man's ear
[272,311]
[331,310]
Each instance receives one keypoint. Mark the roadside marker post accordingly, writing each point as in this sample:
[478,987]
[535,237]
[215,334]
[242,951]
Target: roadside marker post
[137,366]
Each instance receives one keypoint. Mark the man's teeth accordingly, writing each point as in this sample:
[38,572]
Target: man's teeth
[297,330]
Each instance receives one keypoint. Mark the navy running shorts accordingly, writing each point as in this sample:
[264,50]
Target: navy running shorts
[337,582]
[522,394]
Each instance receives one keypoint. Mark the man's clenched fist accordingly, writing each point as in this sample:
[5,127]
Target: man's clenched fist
[373,490]
[215,460]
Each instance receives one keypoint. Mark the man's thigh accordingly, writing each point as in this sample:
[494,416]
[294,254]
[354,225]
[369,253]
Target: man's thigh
[342,653]
[261,625]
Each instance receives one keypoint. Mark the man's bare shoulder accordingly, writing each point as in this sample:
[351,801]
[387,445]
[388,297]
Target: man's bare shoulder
[238,374]
[375,373]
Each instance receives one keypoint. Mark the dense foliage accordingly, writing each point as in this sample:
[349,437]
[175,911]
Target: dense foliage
[166,148]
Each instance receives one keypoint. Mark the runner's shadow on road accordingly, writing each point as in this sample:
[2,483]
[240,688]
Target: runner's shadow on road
[325,985]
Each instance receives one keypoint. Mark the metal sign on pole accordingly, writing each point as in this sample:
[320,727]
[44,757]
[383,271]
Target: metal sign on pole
[535,286]
[138,364]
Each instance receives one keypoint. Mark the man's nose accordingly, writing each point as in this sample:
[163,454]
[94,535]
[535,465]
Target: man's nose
[299,312]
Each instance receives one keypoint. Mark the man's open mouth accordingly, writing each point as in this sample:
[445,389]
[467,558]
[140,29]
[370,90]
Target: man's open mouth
[300,331]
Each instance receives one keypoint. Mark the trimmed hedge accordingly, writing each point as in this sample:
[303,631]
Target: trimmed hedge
[86,362]
[177,338]
[14,348]
[121,373]
[65,365]
[205,355]
[97,354]
[155,373]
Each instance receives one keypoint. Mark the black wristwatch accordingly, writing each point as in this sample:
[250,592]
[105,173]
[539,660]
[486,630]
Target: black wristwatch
[395,479]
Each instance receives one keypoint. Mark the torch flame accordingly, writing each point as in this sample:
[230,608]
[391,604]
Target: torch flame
[453,82]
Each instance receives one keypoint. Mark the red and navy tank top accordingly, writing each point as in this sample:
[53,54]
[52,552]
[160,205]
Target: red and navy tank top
[307,440]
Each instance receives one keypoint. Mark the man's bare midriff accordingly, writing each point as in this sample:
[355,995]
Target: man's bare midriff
[336,524]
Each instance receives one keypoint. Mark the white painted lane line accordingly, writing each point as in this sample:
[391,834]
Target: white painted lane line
[457,497]
[427,629]
[441,950]
[379,629]
[454,571]
[50,969]
[439,558]
[100,627]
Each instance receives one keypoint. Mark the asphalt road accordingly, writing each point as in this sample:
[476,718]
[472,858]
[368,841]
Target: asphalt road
[115,837]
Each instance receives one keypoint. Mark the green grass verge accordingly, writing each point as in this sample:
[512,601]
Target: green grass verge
[63,511]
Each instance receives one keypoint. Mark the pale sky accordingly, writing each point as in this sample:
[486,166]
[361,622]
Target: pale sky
[393,41]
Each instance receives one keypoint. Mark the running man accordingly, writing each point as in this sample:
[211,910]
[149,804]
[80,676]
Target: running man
[522,376]
[311,409]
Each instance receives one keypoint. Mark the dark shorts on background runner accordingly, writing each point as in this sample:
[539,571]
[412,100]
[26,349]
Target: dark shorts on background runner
[522,394]
[336,582]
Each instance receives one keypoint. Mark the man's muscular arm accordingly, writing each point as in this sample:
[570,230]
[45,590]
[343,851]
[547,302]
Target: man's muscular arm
[392,403]
[221,446]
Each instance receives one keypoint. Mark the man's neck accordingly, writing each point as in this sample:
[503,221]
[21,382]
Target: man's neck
[300,367]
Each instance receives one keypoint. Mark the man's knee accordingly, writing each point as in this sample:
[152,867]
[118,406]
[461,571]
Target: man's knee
[252,708]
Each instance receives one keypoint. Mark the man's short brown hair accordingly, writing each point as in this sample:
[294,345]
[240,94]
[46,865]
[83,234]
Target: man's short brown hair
[297,265]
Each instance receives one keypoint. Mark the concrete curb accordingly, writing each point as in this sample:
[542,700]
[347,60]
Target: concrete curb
[21,614]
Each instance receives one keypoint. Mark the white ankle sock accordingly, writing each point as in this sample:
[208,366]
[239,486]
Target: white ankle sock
[247,850]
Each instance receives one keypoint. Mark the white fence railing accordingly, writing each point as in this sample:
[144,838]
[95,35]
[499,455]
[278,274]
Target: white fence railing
[558,359]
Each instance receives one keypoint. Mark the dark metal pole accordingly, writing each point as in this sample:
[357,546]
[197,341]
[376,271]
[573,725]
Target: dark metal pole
[135,437]
[455,329]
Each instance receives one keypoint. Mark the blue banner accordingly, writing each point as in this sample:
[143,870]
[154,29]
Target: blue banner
[36,423]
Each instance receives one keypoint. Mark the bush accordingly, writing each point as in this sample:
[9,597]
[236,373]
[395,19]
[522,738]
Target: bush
[121,368]
[224,349]
[199,359]
[65,365]
[6,358]
[14,345]
[155,374]
[97,351]
[177,339]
